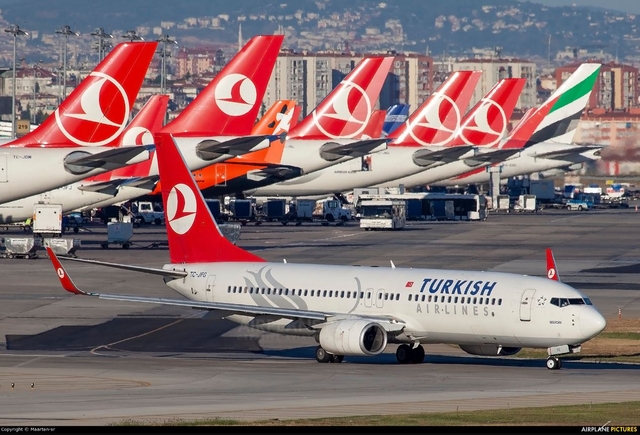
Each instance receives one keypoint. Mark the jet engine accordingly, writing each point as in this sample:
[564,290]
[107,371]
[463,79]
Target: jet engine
[353,337]
[490,350]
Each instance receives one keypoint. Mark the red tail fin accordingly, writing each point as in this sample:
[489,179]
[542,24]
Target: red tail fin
[552,269]
[346,111]
[97,111]
[439,117]
[486,123]
[192,232]
[374,128]
[229,105]
[277,119]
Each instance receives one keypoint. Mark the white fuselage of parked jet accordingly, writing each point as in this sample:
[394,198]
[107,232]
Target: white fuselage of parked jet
[73,196]
[385,165]
[30,171]
[527,162]
[434,306]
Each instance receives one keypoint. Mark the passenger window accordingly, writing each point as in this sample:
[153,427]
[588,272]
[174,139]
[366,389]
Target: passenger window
[330,293]
[455,300]
[475,300]
[229,289]
[397,296]
[410,296]
[305,293]
[348,294]
[379,295]
[423,298]
[361,295]
[246,289]
[386,296]
[493,301]
[480,301]
[429,300]
[324,294]
[234,288]
[449,299]
[462,300]
[342,294]
[500,301]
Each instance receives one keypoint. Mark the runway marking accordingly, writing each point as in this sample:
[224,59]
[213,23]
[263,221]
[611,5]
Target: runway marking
[108,346]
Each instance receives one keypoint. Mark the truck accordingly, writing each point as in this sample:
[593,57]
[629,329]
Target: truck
[544,190]
[47,219]
[146,212]
[332,210]
[378,214]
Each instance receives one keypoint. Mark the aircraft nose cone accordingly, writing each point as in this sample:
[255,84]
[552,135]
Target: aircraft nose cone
[591,323]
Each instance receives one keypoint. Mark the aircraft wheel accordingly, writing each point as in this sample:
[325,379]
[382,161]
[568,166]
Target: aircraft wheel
[417,356]
[553,363]
[404,354]
[337,358]
[322,356]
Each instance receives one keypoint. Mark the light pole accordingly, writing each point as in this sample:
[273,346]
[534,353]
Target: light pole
[102,35]
[35,85]
[164,40]
[16,31]
[132,35]
[66,31]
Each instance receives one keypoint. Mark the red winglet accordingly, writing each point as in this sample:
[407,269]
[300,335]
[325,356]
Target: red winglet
[552,269]
[63,276]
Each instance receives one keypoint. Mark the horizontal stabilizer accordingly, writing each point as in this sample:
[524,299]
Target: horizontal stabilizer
[486,158]
[148,183]
[80,162]
[212,149]
[569,153]
[278,172]
[334,151]
[425,157]
[107,187]
[175,274]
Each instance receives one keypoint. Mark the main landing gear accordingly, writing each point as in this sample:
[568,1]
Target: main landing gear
[405,354]
[554,363]
[322,356]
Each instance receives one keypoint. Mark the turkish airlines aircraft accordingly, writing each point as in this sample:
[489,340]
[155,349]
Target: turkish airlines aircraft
[550,145]
[78,139]
[245,76]
[352,310]
[431,137]
[485,128]
[94,189]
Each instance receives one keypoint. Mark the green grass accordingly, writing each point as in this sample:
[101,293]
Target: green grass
[618,414]
[620,335]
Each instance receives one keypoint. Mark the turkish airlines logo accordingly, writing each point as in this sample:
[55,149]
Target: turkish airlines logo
[348,113]
[551,273]
[439,119]
[99,116]
[235,94]
[181,208]
[60,272]
[137,136]
[487,126]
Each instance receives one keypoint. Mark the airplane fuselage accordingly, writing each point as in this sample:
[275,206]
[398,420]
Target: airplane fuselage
[524,163]
[436,306]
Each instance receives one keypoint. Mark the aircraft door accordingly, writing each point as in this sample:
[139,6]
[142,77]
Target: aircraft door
[208,290]
[380,298]
[221,174]
[368,297]
[525,304]
[3,169]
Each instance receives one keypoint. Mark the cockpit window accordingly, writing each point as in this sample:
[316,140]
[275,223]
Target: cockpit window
[563,302]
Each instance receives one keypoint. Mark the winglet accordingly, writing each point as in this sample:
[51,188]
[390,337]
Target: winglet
[552,269]
[393,266]
[63,276]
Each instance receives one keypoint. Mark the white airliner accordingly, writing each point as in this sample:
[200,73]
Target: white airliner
[78,139]
[352,310]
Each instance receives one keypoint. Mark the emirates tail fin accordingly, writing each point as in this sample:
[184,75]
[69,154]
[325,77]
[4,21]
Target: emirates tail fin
[229,104]
[193,235]
[97,111]
[346,111]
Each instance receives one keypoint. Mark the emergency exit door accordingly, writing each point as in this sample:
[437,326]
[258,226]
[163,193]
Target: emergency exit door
[525,305]
[211,282]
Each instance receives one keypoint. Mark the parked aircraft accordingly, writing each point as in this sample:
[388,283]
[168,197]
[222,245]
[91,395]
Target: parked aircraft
[551,144]
[77,140]
[91,190]
[352,310]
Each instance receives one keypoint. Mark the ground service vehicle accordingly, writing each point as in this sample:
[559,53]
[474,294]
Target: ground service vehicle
[378,214]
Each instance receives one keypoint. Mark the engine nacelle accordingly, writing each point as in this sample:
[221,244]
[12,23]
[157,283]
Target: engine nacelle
[353,337]
[490,350]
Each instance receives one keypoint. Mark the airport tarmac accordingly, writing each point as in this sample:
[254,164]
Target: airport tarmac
[95,362]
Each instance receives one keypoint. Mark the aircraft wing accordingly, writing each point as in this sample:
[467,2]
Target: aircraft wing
[317,318]
[568,153]
[211,149]
[426,157]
